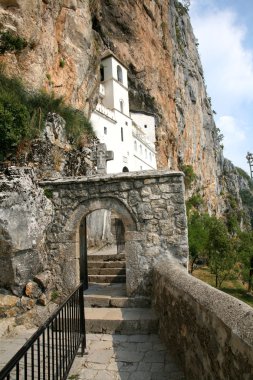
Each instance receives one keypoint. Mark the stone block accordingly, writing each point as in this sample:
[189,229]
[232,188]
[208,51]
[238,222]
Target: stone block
[138,184]
[158,203]
[134,198]
[27,303]
[8,301]
[43,300]
[126,186]
[146,192]
[149,181]
[32,290]
[44,279]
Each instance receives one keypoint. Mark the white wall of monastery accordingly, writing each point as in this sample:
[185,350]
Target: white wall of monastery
[133,146]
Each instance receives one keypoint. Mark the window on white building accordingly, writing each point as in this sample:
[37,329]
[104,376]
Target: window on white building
[102,73]
[145,126]
[150,156]
[121,104]
[140,149]
[146,153]
[105,130]
[135,145]
[119,74]
[122,134]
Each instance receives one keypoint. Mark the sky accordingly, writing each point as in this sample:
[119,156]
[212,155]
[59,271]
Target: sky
[224,30]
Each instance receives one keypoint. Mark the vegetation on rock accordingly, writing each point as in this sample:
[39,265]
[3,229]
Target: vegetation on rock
[9,42]
[23,113]
[190,176]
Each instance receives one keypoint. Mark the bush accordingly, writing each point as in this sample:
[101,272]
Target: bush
[190,176]
[194,202]
[245,175]
[23,115]
[10,42]
[247,198]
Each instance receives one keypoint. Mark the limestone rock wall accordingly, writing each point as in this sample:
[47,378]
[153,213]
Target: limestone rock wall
[25,214]
[61,54]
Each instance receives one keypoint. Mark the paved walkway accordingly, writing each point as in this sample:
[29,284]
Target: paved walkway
[125,357]
[10,344]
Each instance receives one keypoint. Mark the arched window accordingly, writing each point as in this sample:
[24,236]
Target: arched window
[119,74]
[102,73]
[135,145]
[121,103]
[125,169]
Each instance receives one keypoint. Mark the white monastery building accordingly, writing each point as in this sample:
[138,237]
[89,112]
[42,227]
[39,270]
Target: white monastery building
[130,135]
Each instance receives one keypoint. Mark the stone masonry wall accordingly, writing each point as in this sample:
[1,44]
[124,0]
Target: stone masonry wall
[151,206]
[211,332]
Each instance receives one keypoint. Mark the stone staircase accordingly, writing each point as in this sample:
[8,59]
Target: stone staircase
[107,268]
[108,310]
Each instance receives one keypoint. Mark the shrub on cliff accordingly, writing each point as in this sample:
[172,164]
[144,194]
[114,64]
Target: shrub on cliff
[11,42]
[23,113]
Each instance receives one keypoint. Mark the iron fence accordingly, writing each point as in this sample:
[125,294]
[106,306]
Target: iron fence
[50,352]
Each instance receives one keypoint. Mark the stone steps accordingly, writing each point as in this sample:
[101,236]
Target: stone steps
[107,268]
[107,279]
[108,310]
[116,302]
[106,264]
[106,257]
[120,320]
[107,271]
[112,295]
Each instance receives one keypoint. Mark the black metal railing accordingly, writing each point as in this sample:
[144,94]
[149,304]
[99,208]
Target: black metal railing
[50,352]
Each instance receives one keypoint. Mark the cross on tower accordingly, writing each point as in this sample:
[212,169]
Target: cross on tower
[101,156]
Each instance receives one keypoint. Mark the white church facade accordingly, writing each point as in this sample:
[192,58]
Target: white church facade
[130,135]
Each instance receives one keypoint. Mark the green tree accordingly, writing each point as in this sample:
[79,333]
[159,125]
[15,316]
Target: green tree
[197,236]
[245,256]
[220,251]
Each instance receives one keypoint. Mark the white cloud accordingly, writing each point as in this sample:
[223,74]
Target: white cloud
[228,64]
[235,140]
[230,127]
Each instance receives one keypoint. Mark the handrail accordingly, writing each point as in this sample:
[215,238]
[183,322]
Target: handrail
[54,345]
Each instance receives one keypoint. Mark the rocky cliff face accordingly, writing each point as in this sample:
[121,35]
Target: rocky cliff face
[155,40]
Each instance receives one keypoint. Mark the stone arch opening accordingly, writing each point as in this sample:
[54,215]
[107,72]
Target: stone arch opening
[77,226]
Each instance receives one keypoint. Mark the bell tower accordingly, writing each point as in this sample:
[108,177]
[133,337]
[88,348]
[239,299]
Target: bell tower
[114,79]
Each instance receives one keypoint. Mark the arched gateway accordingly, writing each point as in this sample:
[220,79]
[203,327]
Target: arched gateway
[151,207]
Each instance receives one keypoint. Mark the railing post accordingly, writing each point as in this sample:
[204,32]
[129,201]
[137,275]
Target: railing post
[82,319]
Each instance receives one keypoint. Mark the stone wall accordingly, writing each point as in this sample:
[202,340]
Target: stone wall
[151,207]
[210,331]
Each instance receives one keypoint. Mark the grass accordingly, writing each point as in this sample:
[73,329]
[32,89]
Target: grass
[233,287]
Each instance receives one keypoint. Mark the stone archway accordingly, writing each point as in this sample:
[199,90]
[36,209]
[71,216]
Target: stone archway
[77,228]
[151,206]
